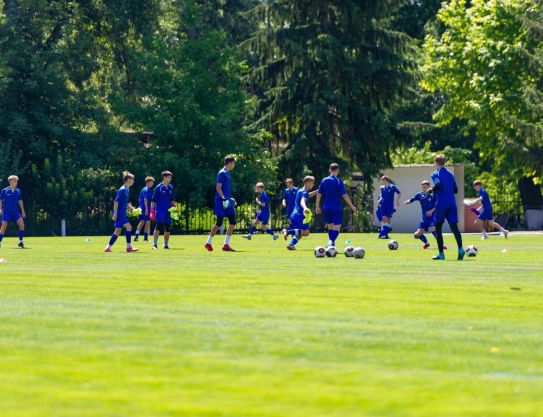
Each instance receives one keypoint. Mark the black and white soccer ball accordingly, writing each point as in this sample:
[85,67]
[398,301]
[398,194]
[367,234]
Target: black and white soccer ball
[348,251]
[320,252]
[359,253]
[331,251]
[393,245]
[472,251]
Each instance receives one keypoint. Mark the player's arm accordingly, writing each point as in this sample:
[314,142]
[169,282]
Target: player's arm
[479,200]
[349,202]
[1,205]
[303,202]
[313,193]
[398,199]
[455,188]
[218,188]
[22,207]
[430,212]
[284,202]
[146,205]
[115,208]
[317,204]
[130,207]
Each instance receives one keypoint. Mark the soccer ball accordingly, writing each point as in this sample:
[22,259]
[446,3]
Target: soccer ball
[331,251]
[472,251]
[393,245]
[320,252]
[349,251]
[359,253]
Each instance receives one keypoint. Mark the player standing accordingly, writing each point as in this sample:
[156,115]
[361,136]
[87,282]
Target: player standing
[386,205]
[427,204]
[485,213]
[122,202]
[161,202]
[445,189]
[332,191]
[263,214]
[299,226]
[289,197]
[146,194]
[12,209]
[224,205]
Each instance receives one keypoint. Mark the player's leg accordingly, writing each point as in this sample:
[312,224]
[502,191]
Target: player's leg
[231,225]
[147,230]
[158,229]
[141,223]
[419,234]
[113,238]
[480,224]
[385,227]
[21,224]
[497,226]
[128,234]
[167,226]
[3,229]
[218,224]
[301,230]
[252,229]
[452,219]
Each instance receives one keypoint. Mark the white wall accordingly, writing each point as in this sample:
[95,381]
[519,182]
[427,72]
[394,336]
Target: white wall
[408,179]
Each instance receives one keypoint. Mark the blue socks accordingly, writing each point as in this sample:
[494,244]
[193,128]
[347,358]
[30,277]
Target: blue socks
[269,231]
[252,230]
[293,232]
[1,237]
[293,241]
[423,238]
[21,235]
[128,237]
[113,239]
[333,234]
[146,236]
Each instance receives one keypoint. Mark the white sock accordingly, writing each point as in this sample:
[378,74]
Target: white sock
[209,239]
[227,239]
[484,233]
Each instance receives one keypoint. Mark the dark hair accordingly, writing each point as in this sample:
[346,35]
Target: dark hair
[228,159]
[127,175]
[166,174]
[308,178]
[440,160]
[334,167]
[477,182]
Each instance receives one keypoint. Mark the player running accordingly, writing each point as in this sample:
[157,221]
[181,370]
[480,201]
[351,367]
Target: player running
[299,224]
[289,197]
[224,205]
[332,191]
[12,209]
[427,204]
[445,189]
[386,209]
[146,195]
[161,202]
[263,215]
[485,212]
[121,204]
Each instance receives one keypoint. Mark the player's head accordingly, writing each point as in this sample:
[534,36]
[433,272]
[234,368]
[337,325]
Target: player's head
[309,182]
[229,162]
[477,185]
[13,180]
[149,181]
[440,160]
[128,178]
[333,169]
[166,177]
[385,180]
[289,183]
[259,187]
[425,185]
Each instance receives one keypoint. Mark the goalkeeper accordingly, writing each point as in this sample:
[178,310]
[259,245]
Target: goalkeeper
[301,215]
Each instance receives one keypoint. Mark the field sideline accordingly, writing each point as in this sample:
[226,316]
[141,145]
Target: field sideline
[269,333]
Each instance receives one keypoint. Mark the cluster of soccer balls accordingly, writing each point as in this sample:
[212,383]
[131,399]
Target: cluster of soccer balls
[331,252]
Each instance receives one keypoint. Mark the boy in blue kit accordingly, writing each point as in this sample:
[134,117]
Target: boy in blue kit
[263,215]
[289,197]
[485,213]
[386,205]
[161,202]
[12,209]
[427,204]
[332,191]
[445,189]
[224,205]
[298,225]
[146,194]
[121,204]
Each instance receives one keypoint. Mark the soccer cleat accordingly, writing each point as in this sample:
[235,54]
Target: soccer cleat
[21,245]
[461,254]
[146,240]
[209,247]
[131,249]
[439,257]
[505,233]
[227,248]
[426,245]
[107,250]
[275,236]
[166,247]
[485,237]
[248,237]
[291,247]
[285,234]
[155,246]
[136,238]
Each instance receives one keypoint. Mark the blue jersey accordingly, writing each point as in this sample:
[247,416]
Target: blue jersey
[298,209]
[163,197]
[122,198]
[332,190]
[289,194]
[445,187]
[485,200]
[427,202]
[224,178]
[264,199]
[145,194]
[386,199]
[10,200]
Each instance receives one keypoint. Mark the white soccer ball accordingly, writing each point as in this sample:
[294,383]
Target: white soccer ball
[349,251]
[331,251]
[359,253]
[393,245]
[472,251]
[320,252]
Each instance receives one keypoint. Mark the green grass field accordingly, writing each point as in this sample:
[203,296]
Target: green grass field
[265,332]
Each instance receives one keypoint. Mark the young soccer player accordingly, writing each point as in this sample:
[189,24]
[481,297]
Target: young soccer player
[485,213]
[161,202]
[263,214]
[224,205]
[298,228]
[289,197]
[386,205]
[427,204]
[12,209]
[146,194]
[332,191]
[445,189]
[122,202]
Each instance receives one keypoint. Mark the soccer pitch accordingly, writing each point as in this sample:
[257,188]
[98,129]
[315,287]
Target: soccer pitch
[266,332]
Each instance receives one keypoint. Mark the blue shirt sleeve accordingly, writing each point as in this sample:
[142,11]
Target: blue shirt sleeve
[19,194]
[118,196]
[396,189]
[153,198]
[416,197]
[342,188]
[221,178]
[3,195]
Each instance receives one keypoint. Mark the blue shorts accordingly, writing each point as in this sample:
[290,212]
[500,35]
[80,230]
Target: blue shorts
[486,215]
[144,218]
[426,223]
[11,217]
[264,218]
[334,217]
[297,222]
[121,221]
[163,217]
[387,211]
[219,210]
[447,212]
[378,214]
